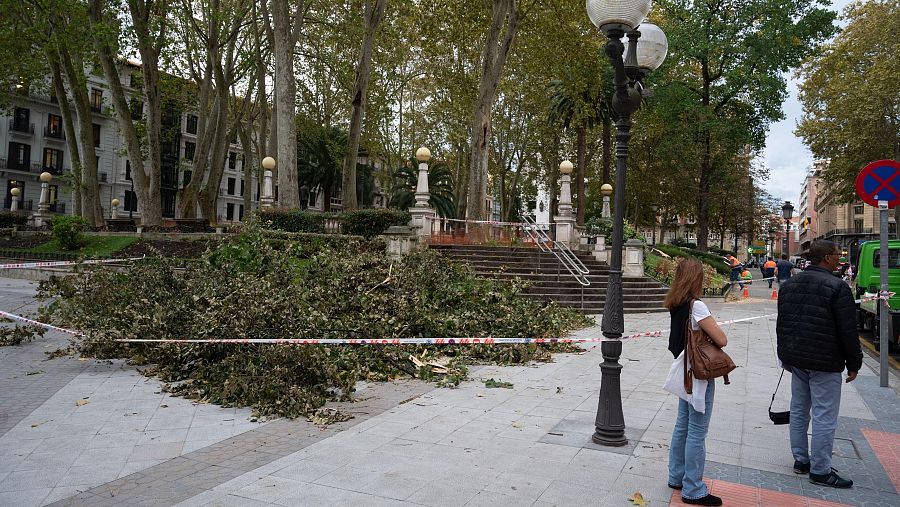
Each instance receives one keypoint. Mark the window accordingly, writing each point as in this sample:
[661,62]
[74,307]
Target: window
[19,156]
[96,135]
[54,126]
[96,100]
[229,211]
[312,198]
[893,259]
[21,118]
[127,170]
[189,149]
[134,80]
[232,160]
[231,184]
[130,201]
[136,107]
[858,209]
[187,177]
[52,160]
[191,127]
[858,225]
[242,188]
[241,212]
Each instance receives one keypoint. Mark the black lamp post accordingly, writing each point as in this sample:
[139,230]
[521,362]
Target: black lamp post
[772,241]
[787,211]
[655,208]
[616,19]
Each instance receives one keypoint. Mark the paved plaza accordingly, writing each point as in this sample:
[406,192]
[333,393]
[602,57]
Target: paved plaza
[85,432]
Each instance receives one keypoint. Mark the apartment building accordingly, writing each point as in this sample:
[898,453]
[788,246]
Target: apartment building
[34,141]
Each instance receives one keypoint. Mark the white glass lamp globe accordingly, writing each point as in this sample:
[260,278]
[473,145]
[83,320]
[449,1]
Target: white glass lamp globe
[617,14]
[423,154]
[268,163]
[652,47]
[115,203]
[15,192]
[606,189]
[46,177]
[566,167]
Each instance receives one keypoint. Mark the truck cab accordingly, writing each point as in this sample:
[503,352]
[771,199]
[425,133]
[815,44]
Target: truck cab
[868,282]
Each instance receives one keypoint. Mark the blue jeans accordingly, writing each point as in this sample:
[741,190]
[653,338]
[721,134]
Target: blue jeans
[735,276]
[821,392]
[687,454]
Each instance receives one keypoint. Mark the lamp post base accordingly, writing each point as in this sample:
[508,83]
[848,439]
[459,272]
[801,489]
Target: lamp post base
[610,423]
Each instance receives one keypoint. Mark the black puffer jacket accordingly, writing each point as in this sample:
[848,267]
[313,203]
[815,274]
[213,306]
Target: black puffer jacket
[817,323]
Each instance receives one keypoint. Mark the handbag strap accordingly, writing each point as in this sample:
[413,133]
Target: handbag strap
[776,390]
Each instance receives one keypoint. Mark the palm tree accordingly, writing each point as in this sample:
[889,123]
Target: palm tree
[440,185]
[320,154]
[582,103]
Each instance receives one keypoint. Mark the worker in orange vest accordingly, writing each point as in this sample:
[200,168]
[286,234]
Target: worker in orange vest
[769,270]
[736,268]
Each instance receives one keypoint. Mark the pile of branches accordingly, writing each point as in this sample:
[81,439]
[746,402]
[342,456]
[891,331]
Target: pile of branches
[259,287]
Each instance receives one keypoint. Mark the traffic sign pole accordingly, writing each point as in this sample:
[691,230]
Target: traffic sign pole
[884,338]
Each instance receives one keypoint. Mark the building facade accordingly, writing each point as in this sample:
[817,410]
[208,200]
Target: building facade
[809,217]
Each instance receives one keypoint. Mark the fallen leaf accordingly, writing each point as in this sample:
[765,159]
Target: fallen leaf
[163,406]
[35,425]
[518,425]
[479,395]
[35,372]
[638,499]
[81,403]
[491,383]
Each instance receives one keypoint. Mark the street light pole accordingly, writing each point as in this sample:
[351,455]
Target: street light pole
[617,19]
[654,207]
[787,211]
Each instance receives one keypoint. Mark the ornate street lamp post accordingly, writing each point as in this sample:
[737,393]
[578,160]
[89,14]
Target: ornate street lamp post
[616,19]
[787,211]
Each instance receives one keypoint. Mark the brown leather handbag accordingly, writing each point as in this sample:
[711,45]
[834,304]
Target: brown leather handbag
[708,360]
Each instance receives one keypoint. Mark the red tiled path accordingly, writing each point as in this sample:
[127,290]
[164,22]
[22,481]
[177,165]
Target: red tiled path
[887,447]
[739,495]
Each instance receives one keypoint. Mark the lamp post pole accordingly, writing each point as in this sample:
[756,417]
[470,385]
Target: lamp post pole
[787,211]
[654,207]
[617,19]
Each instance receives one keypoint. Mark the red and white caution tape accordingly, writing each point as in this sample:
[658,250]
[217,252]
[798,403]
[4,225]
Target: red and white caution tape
[488,222]
[36,323]
[47,264]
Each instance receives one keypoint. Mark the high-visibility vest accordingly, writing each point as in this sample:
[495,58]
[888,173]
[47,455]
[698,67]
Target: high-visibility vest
[769,265]
[734,261]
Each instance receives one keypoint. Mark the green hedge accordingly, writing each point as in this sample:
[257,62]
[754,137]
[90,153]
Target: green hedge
[68,231]
[708,258]
[369,223]
[10,219]
[292,220]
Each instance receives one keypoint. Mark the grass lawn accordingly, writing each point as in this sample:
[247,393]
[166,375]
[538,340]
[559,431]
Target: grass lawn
[95,246]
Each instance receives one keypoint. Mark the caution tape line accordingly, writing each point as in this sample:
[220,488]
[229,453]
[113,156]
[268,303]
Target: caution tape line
[36,323]
[47,264]
[488,222]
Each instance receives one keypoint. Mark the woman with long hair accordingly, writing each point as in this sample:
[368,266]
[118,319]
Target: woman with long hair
[687,454]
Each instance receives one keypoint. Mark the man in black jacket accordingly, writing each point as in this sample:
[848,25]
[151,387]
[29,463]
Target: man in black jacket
[816,339]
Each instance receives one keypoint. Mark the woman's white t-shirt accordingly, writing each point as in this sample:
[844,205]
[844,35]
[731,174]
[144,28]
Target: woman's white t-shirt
[699,311]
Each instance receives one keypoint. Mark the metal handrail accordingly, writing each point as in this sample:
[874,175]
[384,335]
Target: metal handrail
[563,253]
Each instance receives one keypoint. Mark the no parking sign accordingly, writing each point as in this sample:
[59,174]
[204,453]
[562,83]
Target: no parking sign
[879,181]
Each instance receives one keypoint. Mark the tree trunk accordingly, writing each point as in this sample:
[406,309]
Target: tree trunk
[286,29]
[90,187]
[580,171]
[493,59]
[371,19]
[607,151]
[65,111]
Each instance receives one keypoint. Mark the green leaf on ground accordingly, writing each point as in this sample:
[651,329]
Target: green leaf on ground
[492,384]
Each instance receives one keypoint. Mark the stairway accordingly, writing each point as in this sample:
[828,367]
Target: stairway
[549,280]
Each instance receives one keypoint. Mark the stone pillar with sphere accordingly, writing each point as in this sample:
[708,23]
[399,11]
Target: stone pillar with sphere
[422,212]
[43,216]
[14,204]
[267,199]
[565,220]
[115,209]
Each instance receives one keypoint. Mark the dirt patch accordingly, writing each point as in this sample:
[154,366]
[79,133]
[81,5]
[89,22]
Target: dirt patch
[23,242]
[167,248]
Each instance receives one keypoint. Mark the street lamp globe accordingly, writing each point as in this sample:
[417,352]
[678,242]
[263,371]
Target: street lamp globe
[423,154]
[606,190]
[787,210]
[621,15]
[652,47]
[15,192]
[46,177]
[566,167]
[115,203]
[268,163]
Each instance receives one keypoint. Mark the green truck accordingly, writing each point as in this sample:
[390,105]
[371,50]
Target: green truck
[868,282]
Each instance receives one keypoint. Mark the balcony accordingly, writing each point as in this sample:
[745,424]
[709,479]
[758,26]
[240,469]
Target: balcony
[855,231]
[54,133]
[21,127]
[97,108]
[53,169]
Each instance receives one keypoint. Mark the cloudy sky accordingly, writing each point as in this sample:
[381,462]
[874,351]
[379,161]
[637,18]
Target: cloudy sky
[785,154]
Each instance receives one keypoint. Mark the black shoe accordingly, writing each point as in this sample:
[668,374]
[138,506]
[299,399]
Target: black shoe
[711,500]
[674,486]
[832,480]
[801,468]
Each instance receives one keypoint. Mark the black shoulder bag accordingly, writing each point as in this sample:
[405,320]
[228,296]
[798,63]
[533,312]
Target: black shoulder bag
[779,417]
